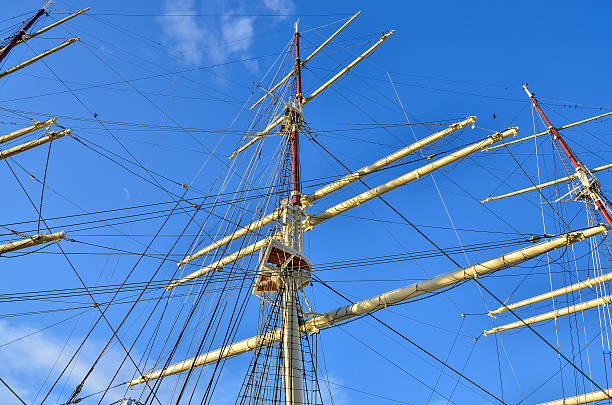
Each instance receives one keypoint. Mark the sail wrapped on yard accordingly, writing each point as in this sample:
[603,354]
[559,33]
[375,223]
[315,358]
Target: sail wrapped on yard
[338,209]
[589,398]
[588,283]
[48,137]
[381,301]
[24,131]
[38,57]
[336,185]
[597,302]
[406,178]
[32,241]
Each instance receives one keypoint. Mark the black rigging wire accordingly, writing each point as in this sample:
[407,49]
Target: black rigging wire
[41,214]
[459,266]
[217,15]
[12,391]
[102,316]
[407,339]
[42,192]
[570,362]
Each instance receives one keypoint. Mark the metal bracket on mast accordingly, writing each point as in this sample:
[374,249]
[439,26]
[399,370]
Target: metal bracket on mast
[292,112]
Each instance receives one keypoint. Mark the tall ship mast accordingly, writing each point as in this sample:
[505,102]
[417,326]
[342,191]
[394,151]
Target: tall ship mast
[303,257]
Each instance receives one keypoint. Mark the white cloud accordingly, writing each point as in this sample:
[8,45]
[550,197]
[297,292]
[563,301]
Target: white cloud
[32,358]
[334,382]
[183,30]
[237,33]
[280,6]
[27,362]
[217,38]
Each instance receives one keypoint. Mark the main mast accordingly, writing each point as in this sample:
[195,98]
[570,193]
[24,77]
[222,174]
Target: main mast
[292,232]
[295,144]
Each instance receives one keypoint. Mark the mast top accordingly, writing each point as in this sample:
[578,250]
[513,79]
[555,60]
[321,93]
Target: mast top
[530,94]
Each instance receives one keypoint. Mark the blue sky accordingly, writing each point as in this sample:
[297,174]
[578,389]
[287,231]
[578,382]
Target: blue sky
[168,90]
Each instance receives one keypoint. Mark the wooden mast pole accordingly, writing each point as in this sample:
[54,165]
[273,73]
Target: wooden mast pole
[292,354]
[594,193]
[21,34]
[295,145]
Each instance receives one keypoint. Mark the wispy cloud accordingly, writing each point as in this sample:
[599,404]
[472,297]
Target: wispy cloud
[215,38]
[29,360]
[234,37]
[182,29]
[282,7]
[45,354]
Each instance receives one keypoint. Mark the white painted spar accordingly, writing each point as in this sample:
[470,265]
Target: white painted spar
[348,67]
[406,178]
[253,226]
[446,280]
[314,220]
[303,62]
[573,124]
[227,351]
[589,398]
[48,137]
[560,291]
[38,57]
[218,265]
[32,241]
[20,132]
[553,314]
[387,160]
[547,184]
[279,119]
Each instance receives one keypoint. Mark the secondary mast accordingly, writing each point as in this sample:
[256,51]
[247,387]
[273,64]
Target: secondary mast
[590,186]
[22,33]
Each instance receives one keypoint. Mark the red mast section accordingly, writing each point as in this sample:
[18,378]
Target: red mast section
[591,187]
[22,32]
[295,145]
